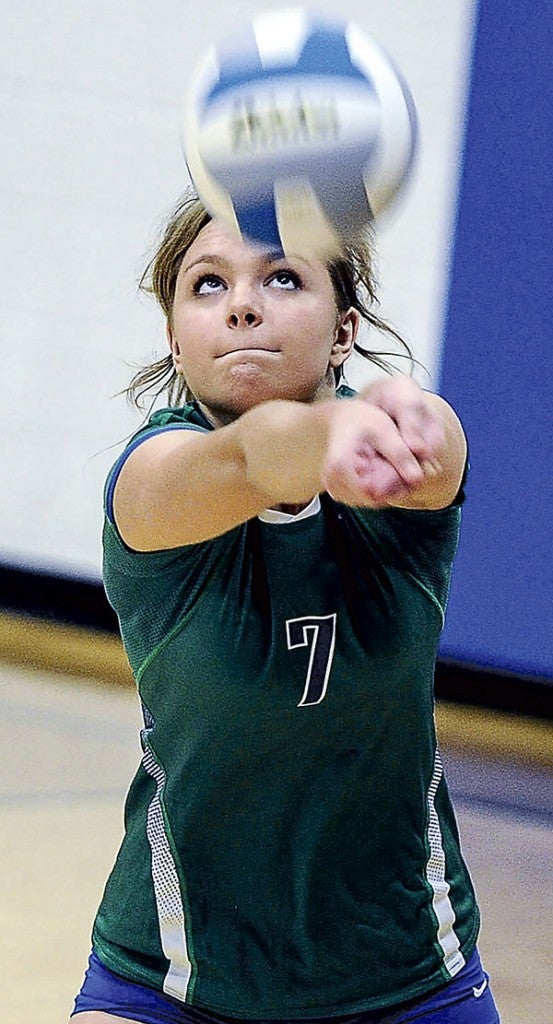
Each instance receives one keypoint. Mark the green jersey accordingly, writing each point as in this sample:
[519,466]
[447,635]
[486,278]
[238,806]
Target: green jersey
[290,849]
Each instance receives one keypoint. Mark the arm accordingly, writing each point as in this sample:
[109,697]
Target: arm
[183,487]
[440,489]
[431,431]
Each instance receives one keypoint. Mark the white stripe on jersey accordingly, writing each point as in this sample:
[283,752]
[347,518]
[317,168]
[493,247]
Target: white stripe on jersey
[170,910]
[435,873]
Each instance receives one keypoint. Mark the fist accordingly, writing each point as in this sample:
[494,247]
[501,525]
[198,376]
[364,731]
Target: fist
[384,444]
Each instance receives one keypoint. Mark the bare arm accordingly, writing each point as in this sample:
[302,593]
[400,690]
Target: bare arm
[182,487]
[390,447]
[430,430]
[440,489]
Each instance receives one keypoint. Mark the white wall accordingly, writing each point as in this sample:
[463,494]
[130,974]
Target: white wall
[90,118]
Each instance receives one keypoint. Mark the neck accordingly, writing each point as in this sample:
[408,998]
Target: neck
[222,416]
[292,510]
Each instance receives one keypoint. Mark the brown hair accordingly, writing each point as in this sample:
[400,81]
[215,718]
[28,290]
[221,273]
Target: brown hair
[351,273]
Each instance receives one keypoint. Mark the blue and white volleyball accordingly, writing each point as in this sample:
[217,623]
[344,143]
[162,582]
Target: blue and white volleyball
[299,131]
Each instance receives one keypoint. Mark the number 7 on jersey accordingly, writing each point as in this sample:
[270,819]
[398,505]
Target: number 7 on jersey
[319,631]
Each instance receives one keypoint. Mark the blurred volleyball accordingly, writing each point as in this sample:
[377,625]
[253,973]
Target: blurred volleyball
[299,131]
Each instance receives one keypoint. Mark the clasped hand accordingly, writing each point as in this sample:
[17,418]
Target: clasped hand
[384,444]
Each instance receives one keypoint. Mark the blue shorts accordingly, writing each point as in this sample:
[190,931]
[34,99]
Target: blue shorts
[467,999]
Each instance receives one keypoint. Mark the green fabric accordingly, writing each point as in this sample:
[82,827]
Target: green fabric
[300,833]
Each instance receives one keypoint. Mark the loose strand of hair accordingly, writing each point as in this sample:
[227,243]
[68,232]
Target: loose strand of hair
[159,377]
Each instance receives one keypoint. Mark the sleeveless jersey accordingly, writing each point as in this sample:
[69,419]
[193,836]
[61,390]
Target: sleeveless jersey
[290,849]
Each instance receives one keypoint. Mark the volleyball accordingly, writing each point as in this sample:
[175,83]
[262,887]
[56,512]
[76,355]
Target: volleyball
[299,131]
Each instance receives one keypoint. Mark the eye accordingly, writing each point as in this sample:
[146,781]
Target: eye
[287,280]
[208,284]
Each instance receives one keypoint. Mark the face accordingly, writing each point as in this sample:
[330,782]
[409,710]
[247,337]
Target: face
[248,326]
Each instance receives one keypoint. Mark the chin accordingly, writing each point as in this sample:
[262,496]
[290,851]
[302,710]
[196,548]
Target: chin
[248,388]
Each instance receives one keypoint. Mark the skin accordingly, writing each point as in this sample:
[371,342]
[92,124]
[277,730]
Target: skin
[258,350]
[257,340]
[246,328]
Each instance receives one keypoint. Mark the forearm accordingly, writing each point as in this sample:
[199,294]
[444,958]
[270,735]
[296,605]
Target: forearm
[393,445]
[284,446]
[378,449]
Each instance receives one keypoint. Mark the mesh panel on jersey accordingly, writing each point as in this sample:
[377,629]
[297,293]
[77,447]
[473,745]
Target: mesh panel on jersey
[169,902]
[436,876]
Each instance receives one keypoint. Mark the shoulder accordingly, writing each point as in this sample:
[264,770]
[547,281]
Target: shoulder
[187,417]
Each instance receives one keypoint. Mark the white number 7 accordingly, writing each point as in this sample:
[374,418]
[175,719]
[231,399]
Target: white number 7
[320,632]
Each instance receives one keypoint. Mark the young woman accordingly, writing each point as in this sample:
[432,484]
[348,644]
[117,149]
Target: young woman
[278,551]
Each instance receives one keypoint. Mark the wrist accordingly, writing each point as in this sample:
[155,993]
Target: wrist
[284,446]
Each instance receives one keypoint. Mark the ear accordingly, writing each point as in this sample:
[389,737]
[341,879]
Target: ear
[344,338]
[173,345]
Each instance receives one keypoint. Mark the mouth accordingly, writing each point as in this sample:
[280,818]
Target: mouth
[254,350]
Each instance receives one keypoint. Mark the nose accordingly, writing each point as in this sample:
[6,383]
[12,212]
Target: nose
[243,313]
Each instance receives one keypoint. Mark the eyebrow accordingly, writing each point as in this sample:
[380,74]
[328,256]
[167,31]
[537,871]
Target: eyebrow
[204,258]
[266,258]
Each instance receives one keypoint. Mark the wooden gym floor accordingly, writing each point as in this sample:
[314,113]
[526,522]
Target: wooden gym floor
[69,750]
